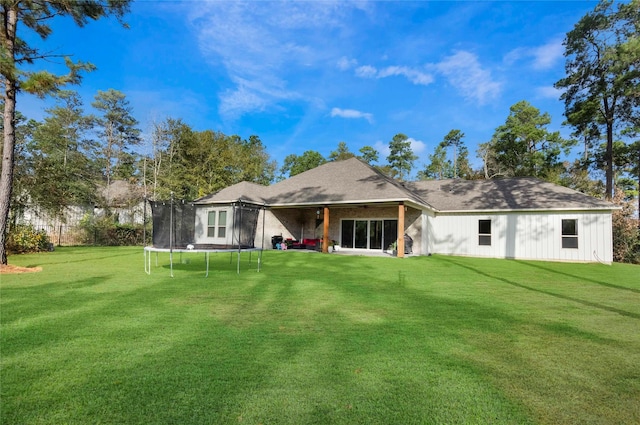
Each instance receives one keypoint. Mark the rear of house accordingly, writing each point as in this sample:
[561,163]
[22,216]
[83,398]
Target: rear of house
[353,205]
[568,236]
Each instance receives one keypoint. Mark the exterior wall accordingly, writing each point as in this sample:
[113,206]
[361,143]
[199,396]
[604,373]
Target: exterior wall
[289,223]
[536,236]
[299,224]
[202,221]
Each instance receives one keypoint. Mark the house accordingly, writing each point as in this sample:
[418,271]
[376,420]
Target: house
[363,210]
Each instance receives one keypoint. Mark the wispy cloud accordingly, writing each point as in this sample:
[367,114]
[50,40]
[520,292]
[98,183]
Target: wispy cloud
[462,70]
[542,57]
[415,76]
[352,114]
[261,46]
[548,92]
[546,56]
[345,63]
[465,73]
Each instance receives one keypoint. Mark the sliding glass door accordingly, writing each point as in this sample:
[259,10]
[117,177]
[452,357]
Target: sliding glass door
[368,234]
[375,234]
[390,229]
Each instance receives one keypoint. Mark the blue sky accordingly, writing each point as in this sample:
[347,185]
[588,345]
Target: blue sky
[308,75]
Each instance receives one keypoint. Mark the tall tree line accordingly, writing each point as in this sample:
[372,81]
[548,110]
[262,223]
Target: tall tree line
[71,158]
[190,164]
[16,53]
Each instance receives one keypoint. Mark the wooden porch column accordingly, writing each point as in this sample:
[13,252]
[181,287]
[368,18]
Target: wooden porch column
[325,233]
[400,244]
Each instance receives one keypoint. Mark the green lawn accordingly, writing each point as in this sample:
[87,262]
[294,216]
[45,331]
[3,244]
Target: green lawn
[312,338]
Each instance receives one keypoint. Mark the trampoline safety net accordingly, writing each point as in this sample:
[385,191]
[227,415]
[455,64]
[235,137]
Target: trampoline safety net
[177,214]
[245,225]
[180,217]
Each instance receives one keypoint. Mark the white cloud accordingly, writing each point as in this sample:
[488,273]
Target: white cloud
[383,150]
[345,63]
[366,71]
[267,44]
[413,75]
[546,56]
[542,57]
[548,92]
[465,73]
[418,147]
[515,55]
[352,114]
[252,95]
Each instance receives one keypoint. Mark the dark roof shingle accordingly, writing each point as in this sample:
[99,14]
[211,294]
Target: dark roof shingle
[353,181]
[348,181]
[524,193]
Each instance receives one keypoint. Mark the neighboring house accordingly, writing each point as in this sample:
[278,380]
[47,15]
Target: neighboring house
[124,200]
[363,210]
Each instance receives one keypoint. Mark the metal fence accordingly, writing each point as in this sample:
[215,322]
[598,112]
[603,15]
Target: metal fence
[72,228]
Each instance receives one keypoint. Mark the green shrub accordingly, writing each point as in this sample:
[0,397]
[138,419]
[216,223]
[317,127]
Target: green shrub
[626,235]
[107,231]
[25,238]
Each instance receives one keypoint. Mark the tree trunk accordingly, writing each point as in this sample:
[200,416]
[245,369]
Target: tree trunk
[608,157]
[9,118]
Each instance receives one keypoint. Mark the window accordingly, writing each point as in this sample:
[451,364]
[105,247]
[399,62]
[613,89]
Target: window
[222,224]
[347,233]
[211,224]
[570,233]
[484,232]
[375,234]
[217,224]
[361,234]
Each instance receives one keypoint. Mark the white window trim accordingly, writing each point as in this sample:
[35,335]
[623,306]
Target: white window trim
[480,235]
[564,237]
[216,238]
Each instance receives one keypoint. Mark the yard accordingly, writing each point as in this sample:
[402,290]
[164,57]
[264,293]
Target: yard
[313,338]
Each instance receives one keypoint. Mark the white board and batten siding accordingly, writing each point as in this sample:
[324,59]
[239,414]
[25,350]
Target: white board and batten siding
[523,235]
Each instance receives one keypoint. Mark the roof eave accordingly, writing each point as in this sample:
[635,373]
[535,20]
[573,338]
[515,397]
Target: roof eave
[230,202]
[530,210]
[354,202]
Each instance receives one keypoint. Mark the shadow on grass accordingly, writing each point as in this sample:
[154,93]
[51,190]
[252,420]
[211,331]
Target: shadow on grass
[252,368]
[542,291]
[86,258]
[312,339]
[597,282]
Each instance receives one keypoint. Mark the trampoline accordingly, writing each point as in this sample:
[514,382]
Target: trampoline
[148,250]
[174,224]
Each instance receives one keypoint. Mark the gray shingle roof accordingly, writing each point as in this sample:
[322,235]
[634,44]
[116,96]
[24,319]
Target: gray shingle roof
[348,181]
[245,191]
[525,193]
[353,181]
